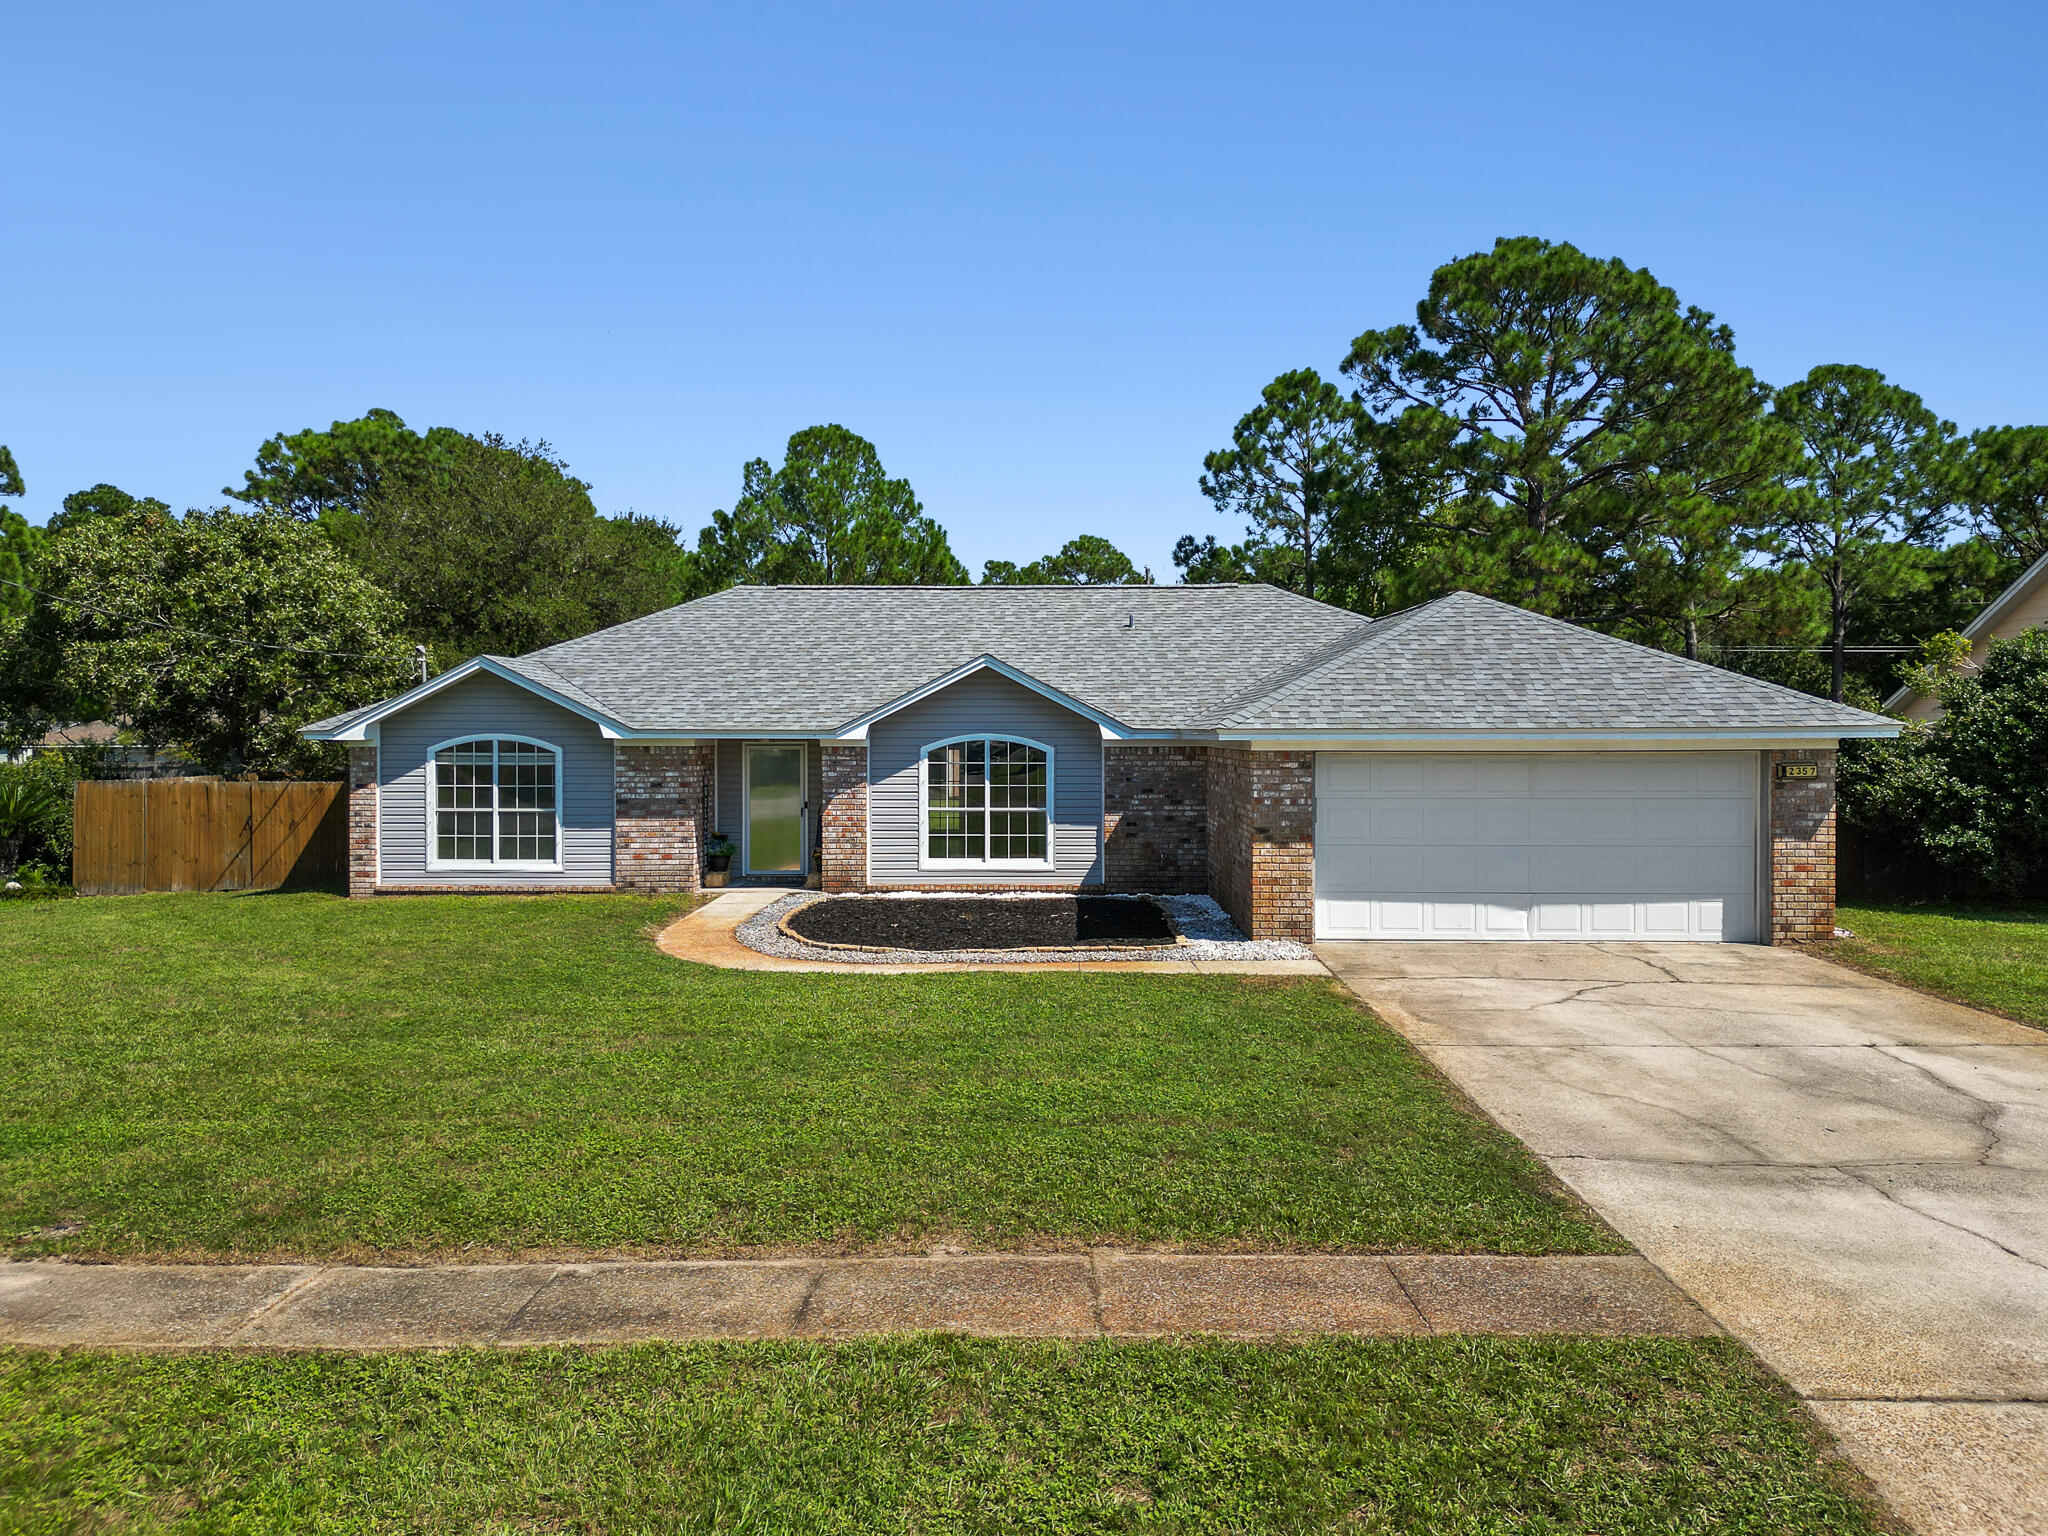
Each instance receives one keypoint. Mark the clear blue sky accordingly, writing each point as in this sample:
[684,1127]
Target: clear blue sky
[1043,256]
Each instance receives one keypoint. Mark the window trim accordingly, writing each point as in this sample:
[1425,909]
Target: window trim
[924,806]
[485,866]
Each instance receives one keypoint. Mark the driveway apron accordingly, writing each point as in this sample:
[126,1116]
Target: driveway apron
[1849,1176]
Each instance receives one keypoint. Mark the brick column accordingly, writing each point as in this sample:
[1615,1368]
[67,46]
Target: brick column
[362,818]
[843,818]
[1802,894]
[1155,818]
[1262,831]
[661,797]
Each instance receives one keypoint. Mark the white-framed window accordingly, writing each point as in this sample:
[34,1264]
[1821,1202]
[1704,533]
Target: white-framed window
[497,805]
[987,803]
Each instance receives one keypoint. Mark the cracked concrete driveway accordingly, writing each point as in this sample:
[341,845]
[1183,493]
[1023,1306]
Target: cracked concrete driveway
[1851,1177]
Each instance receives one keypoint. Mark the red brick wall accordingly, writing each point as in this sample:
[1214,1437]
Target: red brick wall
[362,818]
[843,819]
[1802,895]
[1261,826]
[662,796]
[1155,824]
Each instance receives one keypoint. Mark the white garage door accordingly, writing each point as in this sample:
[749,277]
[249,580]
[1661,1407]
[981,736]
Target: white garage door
[1599,845]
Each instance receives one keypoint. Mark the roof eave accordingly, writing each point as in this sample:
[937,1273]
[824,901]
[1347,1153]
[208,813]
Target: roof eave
[1727,737]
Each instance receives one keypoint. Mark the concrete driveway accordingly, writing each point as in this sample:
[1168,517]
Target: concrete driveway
[1849,1176]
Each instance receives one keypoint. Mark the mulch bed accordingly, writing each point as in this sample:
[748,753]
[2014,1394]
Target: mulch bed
[983,923]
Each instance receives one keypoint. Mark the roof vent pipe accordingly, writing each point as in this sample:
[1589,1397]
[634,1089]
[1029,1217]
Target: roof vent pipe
[1131,619]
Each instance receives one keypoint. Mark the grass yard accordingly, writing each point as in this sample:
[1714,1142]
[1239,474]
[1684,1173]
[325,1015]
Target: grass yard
[1992,957]
[298,1075]
[930,1434]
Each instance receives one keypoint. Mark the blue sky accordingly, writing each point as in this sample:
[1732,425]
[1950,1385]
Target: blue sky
[1043,256]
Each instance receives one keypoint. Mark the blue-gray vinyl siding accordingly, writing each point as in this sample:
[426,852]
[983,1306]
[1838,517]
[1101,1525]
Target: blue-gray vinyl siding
[984,703]
[480,706]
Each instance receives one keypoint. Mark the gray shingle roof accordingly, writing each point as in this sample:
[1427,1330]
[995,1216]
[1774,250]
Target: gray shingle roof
[806,661]
[1465,662]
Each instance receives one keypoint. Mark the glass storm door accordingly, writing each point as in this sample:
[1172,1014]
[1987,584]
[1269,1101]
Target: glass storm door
[775,810]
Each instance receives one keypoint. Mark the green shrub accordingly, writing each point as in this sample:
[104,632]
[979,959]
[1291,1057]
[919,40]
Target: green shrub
[1968,792]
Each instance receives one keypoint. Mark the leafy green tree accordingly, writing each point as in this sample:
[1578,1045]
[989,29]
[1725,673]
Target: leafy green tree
[503,552]
[221,631]
[1876,480]
[1302,476]
[2004,484]
[20,542]
[102,500]
[331,476]
[1543,410]
[1968,791]
[1088,560]
[1204,561]
[828,516]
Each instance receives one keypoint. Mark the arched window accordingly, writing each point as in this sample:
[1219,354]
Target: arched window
[987,802]
[497,805]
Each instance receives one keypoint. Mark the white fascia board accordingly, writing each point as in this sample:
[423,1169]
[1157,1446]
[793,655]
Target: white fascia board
[1555,741]
[1112,729]
[607,727]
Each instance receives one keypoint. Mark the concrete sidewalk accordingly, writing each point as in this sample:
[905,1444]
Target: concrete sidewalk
[1852,1178]
[1091,1295]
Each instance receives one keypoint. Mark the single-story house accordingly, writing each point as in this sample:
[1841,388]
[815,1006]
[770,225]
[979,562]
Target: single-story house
[1462,770]
[2021,606]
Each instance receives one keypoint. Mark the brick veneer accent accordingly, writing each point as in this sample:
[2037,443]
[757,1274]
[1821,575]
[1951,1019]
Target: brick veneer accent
[843,819]
[362,818]
[1262,833]
[1155,821]
[1802,895]
[662,810]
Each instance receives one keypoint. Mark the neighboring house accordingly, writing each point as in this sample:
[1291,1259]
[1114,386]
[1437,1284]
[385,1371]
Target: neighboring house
[2021,606]
[1462,770]
[112,758]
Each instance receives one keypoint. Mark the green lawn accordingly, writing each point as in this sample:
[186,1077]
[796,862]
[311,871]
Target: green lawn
[1994,957]
[932,1435]
[298,1075]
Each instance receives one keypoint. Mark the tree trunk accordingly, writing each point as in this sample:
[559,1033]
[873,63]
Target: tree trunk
[1692,638]
[10,855]
[1838,633]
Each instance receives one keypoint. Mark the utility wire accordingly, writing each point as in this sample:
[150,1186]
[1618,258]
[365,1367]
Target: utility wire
[173,629]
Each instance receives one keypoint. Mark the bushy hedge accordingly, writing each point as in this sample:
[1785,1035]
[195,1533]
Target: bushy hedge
[1967,792]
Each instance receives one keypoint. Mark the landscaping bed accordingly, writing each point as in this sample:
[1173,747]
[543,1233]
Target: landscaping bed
[986,923]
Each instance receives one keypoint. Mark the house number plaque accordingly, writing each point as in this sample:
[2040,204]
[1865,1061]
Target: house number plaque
[1799,770]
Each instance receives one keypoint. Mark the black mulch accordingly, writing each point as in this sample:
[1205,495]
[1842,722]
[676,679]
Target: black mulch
[981,922]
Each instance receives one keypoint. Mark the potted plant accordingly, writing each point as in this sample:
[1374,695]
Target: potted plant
[718,859]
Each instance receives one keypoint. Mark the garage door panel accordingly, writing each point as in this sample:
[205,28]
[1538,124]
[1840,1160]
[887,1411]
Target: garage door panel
[1536,845]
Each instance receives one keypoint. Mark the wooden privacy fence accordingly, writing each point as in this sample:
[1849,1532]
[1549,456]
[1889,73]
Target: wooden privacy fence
[205,835]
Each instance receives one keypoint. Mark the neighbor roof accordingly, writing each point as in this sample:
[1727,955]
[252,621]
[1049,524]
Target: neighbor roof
[1231,659]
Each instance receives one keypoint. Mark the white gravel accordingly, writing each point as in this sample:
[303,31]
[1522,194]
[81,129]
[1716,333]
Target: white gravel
[1205,929]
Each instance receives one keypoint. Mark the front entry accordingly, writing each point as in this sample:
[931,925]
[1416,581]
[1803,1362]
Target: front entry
[773,836]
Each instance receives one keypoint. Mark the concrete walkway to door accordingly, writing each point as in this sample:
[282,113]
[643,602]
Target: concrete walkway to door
[1849,1176]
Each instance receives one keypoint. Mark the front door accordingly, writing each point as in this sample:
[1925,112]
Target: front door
[774,834]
